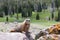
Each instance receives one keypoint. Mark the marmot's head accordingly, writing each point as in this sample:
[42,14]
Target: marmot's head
[27,21]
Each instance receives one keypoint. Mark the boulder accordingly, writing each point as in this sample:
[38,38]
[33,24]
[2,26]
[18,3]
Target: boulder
[12,36]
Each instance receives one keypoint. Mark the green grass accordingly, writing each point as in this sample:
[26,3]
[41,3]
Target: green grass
[42,20]
[2,19]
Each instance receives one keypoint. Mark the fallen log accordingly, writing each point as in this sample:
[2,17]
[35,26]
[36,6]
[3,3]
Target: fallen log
[50,37]
[55,29]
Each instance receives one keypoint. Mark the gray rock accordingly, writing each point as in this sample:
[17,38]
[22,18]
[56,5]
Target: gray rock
[12,36]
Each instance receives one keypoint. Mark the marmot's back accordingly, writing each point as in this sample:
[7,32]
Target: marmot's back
[18,28]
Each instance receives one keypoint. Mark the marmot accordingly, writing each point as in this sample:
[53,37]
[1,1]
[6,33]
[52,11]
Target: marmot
[24,27]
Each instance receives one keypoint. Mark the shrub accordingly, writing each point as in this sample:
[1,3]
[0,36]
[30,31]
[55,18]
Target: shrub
[37,17]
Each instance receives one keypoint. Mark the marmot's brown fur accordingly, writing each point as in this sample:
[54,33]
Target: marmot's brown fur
[24,27]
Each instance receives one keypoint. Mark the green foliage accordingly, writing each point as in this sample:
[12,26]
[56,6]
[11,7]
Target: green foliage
[58,18]
[58,2]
